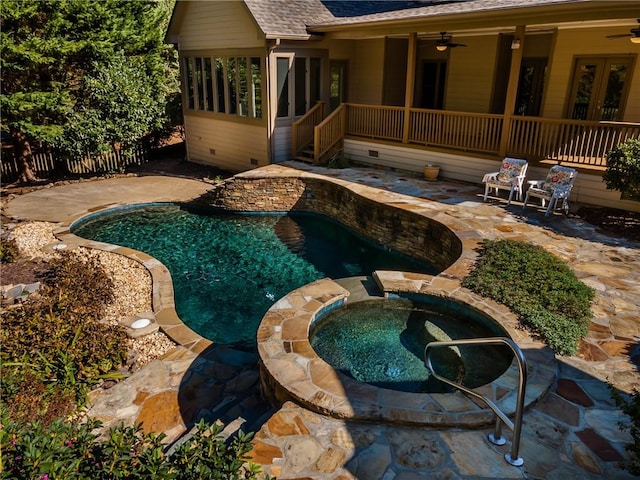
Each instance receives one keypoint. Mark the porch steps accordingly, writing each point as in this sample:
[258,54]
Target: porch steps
[306,155]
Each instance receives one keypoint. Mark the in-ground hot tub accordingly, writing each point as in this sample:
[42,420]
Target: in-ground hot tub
[291,370]
[381,342]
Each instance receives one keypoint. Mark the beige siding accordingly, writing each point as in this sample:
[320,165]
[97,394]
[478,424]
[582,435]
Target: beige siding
[282,144]
[234,143]
[470,75]
[219,25]
[592,41]
[588,189]
[367,72]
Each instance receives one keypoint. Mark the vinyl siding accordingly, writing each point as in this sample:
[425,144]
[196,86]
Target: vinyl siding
[470,76]
[588,42]
[235,143]
[219,25]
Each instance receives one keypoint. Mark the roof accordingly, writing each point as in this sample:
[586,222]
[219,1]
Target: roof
[300,19]
[295,18]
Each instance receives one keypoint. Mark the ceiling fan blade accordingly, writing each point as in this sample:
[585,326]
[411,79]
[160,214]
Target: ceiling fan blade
[619,35]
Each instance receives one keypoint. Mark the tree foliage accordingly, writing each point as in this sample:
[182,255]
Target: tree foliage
[84,75]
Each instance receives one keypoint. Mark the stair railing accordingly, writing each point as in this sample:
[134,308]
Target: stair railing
[501,418]
[302,129]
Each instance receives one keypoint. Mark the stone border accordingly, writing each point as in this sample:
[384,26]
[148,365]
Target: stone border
[291,369]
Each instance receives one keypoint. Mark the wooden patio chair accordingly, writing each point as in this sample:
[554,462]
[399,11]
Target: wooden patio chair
[555,188]
[510,177]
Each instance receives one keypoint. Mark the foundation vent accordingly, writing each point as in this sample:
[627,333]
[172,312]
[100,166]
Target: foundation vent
[373,153]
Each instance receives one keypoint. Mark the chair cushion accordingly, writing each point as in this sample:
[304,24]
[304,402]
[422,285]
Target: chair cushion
[558,176]
[511,168]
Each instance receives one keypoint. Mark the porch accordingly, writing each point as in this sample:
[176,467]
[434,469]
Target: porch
[577,143]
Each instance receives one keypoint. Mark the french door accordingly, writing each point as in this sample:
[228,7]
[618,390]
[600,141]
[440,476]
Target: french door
[599,88]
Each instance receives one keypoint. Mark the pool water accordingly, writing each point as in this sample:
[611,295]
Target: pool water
[382,342]
[228,269]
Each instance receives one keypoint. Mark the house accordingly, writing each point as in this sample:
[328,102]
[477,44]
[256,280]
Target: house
[399,84]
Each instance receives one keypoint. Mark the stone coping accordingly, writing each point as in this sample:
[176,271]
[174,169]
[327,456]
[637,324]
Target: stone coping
[291,369]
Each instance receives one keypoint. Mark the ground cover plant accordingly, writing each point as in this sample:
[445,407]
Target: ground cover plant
[537,286]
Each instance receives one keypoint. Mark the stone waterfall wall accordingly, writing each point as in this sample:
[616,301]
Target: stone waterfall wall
[404,231]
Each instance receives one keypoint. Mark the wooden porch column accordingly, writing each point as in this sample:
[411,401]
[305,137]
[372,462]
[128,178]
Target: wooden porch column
[512,89]
[410,83]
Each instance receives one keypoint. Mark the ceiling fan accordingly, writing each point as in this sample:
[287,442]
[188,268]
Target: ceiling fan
[634,33]
[445,42]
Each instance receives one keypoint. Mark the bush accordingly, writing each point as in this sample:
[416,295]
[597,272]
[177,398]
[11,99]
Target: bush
[623,169]
[538,287]
[8,251]
[632,409]
[54,346]
[70,452]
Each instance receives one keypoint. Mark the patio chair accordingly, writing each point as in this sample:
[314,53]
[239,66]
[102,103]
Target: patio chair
[555,188]
[510,177]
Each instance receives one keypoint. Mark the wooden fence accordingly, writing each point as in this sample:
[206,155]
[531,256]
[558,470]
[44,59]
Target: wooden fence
[44,163]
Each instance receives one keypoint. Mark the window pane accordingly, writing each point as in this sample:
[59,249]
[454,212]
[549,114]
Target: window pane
[283,86]
[301,85]
[613,93]
[208,84]
[199,83]
[314,81]
[243,92]
[256,85]
[188,66]
[232,82]
[220,85]
[586,80]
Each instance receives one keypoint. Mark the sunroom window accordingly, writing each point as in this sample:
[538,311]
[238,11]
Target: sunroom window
[230,85]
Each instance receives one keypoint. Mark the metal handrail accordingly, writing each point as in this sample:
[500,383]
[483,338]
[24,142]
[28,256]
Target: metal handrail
[516,426]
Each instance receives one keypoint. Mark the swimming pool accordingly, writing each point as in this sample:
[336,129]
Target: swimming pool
[228,269]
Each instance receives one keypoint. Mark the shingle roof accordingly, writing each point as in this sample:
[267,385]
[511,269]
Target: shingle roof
[291,18]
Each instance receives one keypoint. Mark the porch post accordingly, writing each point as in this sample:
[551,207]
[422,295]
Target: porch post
[411,79]
[512,89]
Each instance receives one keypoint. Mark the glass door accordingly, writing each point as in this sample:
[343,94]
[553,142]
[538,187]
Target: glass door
[599,89]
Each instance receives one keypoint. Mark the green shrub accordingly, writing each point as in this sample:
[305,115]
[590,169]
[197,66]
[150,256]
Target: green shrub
[538,287]
[8,251]
[623,169]
[68,451]
[631,408]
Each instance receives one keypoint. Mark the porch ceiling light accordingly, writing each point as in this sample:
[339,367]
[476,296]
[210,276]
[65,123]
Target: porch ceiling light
[443,48]
[635,39]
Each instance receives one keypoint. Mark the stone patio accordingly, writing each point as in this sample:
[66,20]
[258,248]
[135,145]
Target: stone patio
[571,432]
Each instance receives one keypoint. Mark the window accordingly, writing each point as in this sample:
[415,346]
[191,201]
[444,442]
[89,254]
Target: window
[231,85]
[599,89]
[304,74]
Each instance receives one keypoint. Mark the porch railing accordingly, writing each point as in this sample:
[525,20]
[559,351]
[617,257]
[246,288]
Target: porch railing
[467,131]
[302,129]
[375,121]
[563,140]
[329,134]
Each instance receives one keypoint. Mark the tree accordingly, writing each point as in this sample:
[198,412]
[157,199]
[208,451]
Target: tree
[83,75]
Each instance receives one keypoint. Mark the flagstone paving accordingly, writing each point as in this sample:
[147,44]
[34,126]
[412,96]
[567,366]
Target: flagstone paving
[571,432]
